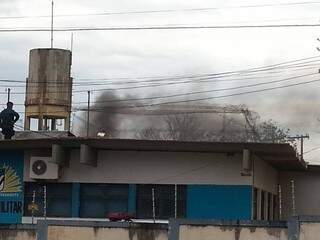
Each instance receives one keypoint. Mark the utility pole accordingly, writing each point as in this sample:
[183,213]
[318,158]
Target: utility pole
[9,90]
[88,115]
[52,24]
[300,137]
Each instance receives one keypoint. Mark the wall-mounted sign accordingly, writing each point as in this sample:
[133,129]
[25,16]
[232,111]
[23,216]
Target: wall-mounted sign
[11,186]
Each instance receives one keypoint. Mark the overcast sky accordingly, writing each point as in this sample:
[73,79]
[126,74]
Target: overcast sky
[144,53]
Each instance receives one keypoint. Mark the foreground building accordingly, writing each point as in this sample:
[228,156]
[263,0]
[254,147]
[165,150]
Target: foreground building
[70,177]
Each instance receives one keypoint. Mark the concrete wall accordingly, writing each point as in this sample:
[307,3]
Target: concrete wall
[155,167]
[309,231]
[81,230]
[18,232]
[265,176]
[231,233]
[307,193]
[296,228]
[93,233]
[181,229]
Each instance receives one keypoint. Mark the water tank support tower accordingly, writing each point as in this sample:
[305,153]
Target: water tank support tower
[49,88]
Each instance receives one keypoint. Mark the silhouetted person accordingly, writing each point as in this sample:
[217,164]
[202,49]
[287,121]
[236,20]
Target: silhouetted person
[8,117]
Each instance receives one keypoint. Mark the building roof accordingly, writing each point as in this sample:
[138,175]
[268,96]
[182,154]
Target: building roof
[314,168]
[28,134]
[281,156]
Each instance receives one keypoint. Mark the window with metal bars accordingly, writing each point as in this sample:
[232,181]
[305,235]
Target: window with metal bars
[58,198]
[167,201]
[99,199]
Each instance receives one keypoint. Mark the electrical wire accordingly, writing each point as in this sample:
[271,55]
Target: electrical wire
[254,70]
[124,88]
[139,28]
[207,91]
[167,10]
[194,100]
[210,98]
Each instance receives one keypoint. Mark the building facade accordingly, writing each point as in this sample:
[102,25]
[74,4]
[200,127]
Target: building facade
[90,178]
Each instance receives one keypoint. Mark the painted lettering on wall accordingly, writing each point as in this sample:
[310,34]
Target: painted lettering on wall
[11,187]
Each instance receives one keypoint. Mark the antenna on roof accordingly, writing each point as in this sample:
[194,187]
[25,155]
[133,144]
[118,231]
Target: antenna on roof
[52,24]
[71,46]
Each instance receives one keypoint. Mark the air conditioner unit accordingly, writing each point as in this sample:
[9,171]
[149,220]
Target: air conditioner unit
[42,168]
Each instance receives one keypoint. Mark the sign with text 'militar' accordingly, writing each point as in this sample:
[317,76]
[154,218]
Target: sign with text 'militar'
[11,186]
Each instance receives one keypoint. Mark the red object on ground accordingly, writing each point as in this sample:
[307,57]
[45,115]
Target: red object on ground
[117,216]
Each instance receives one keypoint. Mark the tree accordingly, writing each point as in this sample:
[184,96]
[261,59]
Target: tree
[150,133]
[179,127]
[184,127]
[269,132]
[189,127]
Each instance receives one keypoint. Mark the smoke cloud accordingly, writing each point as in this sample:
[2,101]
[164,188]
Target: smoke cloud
[111,116]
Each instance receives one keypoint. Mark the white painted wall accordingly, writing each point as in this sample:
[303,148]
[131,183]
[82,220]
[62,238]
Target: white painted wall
[265,176]
[307,193]
[164,168]
[158,167]
[154,167]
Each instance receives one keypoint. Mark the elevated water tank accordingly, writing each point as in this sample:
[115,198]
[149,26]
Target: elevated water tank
[49,88]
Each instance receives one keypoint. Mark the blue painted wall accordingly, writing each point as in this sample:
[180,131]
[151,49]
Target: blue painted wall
[11,186]
[132,196]
[219,202]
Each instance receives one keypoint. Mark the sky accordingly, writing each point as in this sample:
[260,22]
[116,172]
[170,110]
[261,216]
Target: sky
[113,55]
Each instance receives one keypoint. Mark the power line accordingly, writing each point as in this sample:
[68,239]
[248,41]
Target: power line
[216,97]
[207,91]
[212,75]
[167,10]
[84,82]
[198,78]
[146,86]
[135,87]
[195,100]
[312,149]
[138,28]
[297,62]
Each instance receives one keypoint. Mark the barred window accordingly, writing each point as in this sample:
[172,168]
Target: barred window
[165,204]
[97,200]
[58,198]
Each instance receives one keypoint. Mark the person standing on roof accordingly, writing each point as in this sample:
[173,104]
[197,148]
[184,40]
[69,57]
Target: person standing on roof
[8,117]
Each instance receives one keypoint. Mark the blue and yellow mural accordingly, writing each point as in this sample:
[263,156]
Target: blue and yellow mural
[11,187]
